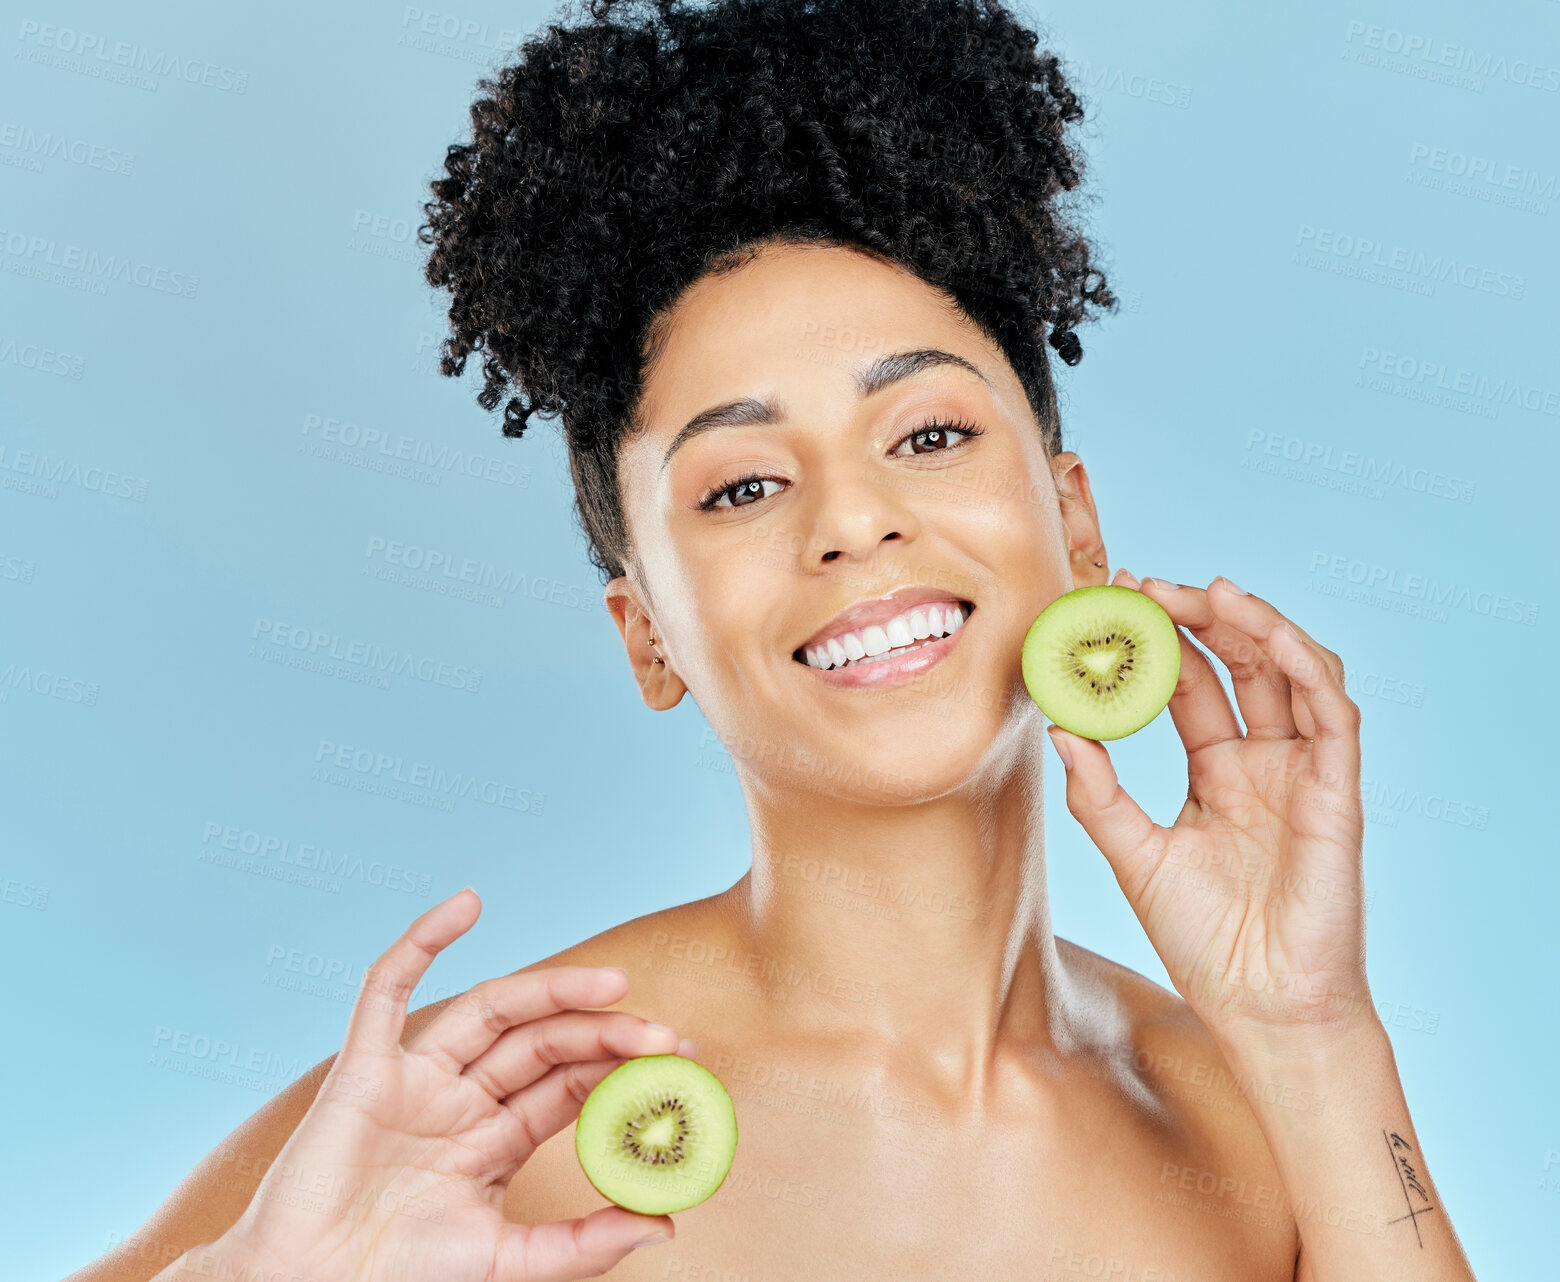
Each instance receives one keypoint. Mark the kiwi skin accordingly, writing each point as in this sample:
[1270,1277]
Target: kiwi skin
[1146,678]
[659,1197]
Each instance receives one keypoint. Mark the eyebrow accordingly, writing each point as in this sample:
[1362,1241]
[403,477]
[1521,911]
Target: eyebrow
[881,373]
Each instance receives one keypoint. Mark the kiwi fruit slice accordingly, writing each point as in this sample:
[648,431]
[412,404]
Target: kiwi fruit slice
[657,1134]
[1102,661]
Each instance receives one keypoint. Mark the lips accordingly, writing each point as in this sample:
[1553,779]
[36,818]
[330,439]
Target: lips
[879,610]
[897,667]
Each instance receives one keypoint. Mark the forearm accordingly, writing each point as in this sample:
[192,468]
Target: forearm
[1357,1181]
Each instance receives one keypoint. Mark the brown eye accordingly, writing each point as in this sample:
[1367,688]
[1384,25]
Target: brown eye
[935,437]
[745,493]
[749,488]
[939,438]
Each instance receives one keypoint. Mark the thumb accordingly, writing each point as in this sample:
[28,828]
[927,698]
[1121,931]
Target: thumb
[1114,822]
[586,1246]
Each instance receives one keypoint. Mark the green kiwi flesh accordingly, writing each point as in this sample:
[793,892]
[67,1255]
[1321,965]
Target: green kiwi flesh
[657,1134]
[1102,661]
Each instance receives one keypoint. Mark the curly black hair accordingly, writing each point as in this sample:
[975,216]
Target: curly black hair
[615,162]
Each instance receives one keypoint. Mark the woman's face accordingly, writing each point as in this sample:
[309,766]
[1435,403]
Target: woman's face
[851,497]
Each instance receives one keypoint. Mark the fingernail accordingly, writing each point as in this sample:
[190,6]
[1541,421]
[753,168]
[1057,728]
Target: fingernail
[653,1240]
[1062,752]
[661,1028]
[1162,583]
[688,1048]
[1234,587]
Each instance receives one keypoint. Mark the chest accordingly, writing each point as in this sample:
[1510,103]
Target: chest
[864,1184]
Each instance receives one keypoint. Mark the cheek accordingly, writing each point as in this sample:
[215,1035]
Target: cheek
[734,594]
[1018,534]
[1015,516]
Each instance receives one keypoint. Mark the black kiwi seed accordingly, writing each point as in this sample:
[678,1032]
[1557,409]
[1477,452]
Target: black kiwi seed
[656,1110]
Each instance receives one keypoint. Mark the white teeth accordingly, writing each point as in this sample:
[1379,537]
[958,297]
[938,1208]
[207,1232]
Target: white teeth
[894,654]
[875,639]
[877,642]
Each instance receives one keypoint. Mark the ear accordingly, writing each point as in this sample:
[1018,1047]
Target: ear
[1085,548]
[659,686]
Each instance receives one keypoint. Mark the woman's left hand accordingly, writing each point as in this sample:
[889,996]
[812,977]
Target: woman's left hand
[1254,896]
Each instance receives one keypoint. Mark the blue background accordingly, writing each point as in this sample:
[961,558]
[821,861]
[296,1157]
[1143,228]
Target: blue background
[1239,158]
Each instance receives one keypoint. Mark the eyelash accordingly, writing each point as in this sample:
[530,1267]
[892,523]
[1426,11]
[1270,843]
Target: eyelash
[966,429]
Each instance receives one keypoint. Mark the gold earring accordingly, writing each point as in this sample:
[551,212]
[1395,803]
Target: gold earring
[652,642]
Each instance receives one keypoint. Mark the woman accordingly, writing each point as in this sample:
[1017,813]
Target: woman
[784,270]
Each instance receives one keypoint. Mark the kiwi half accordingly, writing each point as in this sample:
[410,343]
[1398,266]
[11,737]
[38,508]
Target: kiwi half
[1102,662]
[657,1135]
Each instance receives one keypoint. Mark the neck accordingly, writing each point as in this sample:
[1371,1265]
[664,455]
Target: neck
[922,926]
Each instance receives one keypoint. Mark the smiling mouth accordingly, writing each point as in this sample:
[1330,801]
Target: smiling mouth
[799,655]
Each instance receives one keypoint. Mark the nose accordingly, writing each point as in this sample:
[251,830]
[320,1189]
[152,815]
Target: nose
[854,516]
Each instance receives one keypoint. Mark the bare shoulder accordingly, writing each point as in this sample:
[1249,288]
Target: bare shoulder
[1152,1007]
[1210,1154]
[671,956]
[210,1199]
[639,932]
[1168,1052]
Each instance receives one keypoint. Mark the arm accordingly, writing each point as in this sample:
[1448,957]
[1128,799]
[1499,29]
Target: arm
[1254,901]
[213,1195]
[1356,1177]
[210,1199]
[398,1170]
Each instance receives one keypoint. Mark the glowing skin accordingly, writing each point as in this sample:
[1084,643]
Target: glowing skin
[1000,1062]
[942,793]
[929,1083]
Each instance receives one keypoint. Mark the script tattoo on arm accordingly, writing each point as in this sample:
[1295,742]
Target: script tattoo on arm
[1408,1177]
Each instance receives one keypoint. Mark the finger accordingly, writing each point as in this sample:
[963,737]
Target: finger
[1336,716]
[528,1050]
[478,1017]
[1261,690]
[586,1246]
[550,1103]
[379,1014]
[1198,705]
[1115,823]
[1239,606]
[1257,618]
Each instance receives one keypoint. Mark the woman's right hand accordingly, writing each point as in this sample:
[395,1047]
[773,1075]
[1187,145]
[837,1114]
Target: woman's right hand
[398,1171]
